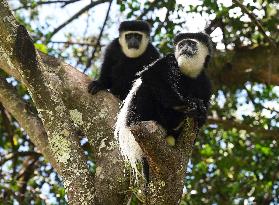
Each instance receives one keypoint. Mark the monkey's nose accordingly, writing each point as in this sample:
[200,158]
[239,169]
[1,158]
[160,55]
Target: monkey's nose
[133,43]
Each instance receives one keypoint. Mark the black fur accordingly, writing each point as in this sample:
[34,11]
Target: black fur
[168,96]
[118,71]
[135,26]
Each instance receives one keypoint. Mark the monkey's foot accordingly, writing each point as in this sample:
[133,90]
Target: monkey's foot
[170,140]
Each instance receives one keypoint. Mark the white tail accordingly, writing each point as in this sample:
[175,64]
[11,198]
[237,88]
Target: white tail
[129,148]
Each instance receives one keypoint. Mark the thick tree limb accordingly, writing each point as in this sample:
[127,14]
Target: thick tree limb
[44,88]
[165,160]
[234,68]
[95,116]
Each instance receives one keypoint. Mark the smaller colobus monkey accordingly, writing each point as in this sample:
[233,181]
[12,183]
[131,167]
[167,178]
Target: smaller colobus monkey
[167,91]
[124,57]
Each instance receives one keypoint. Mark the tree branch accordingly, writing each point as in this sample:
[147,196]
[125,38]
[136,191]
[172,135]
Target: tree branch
[75,16]
[12,155]
[254,19]
[229,124]
[234,68]
[65,2]
[25,174]
[251,97]
[7,122]
[45,89]
[75,43]
[23,114]
[164,159]
[89,62]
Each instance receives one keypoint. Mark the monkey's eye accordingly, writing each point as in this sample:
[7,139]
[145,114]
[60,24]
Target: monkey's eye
[129,36]
[180,45]
[135,36]
[138,36]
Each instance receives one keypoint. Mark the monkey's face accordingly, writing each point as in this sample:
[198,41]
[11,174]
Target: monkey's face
[133,43]
[191,55]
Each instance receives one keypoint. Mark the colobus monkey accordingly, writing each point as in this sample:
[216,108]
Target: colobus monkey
[167,91]
[124,57]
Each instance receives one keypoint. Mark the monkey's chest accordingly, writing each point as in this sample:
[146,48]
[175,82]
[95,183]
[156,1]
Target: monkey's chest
[122,77]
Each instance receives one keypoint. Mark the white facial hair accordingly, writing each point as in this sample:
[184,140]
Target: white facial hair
[132,52]
[192,65]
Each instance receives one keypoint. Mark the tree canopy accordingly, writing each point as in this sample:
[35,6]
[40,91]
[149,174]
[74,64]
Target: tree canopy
[235,156]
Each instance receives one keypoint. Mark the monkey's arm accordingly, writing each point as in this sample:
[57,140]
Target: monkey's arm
[197,105]
[152,52]
[104,82]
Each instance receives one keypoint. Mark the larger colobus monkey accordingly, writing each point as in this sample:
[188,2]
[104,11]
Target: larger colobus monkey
[124,57]
[167,91]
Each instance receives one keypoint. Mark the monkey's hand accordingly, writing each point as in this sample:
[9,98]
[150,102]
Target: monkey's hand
[95,86]
[194,108]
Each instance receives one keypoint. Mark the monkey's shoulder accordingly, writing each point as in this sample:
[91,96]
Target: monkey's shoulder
[159,69]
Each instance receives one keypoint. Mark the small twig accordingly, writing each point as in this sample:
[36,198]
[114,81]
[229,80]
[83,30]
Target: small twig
[7,121]
[89,62]
[250,96]
[69,2]
[75,16]
[13,155]
[65,2]
[254,19]
[25,174]
[74,43]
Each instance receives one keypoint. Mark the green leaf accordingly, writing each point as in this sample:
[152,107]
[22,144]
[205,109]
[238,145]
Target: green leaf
[41,47]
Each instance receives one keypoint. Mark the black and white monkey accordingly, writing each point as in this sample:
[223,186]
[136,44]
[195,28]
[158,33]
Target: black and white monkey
[124,57]
[167,91]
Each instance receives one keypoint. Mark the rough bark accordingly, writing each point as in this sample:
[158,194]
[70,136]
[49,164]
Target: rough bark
[167,163]
[234,68]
